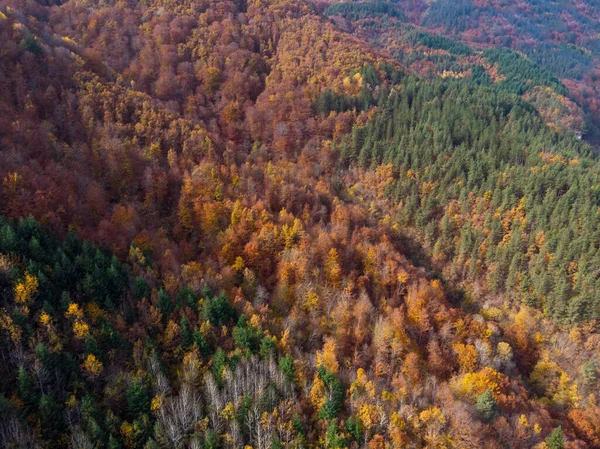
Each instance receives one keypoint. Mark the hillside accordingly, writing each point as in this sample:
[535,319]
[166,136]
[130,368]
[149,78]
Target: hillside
[285,224]
[546,51]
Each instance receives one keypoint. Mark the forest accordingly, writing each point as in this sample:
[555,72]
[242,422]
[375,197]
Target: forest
[293,225]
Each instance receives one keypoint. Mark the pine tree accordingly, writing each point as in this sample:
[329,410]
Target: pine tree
[486,405]
[26,388]
[286,365]
[137,398]
[556,440]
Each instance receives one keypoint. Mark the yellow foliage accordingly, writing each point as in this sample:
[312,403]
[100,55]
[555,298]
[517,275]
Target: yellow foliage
[156,403]
[7,323]
[312,301]
[431,415]
[228,411]
[523,421]
[92,365]
[126,429]
[491,313]
[362,384]
[255,320]
[205,328]
[45,319]
[403,277]
[387,396]
[317,393]
[333,268]
[12,180]
[398,421]
[284,342]
[467,356]
[451,74]
[74,311]
[473,384]
[327,358]
[81,329]
[238,265]
[504,351]
[25,289]
[369,415]
[291,234]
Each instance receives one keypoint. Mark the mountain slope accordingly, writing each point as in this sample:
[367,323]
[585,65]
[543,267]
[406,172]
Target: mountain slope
[232,224]
[548,39]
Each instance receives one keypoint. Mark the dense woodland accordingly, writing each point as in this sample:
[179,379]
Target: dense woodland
[553,43]
[284,224]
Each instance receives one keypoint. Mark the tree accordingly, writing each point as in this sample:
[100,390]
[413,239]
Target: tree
[334,394]
[137,398]
[92,366]
[556,440]
[51,417]
[30,43]
[333,439]
[486,405]
[26,388]
[286,365]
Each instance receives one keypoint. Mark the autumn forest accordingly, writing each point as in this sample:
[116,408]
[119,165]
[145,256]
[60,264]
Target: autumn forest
[298,224]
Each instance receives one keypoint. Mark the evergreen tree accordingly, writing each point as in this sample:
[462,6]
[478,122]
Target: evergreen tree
[486,405]
[556,440]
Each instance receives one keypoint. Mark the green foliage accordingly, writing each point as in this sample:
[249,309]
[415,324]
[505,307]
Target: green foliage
[186,298]
[246,336]
[563,61]
[267,348]
[217,310]
[333,439]
[330,101]
[26,388]
[30,43]
[556,440]
[286,365]
[589,371]
[137,398]
[480,76]
[438,42]
[186,333]
[219,361]
[211,440]
[521,73]
[51,417]
[142,289]
[165,303]
[486,405]
[70,267]
[363,10]
[203,346]
[355,428]
[451,15]
[276,444]
[467,142]
[298,426]
[334,401]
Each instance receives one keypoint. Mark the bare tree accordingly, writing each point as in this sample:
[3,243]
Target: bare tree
[178,414]
[79,440]
[16,434]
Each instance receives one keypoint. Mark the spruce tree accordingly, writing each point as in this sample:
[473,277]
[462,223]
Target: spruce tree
[486,405]
[556,440]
